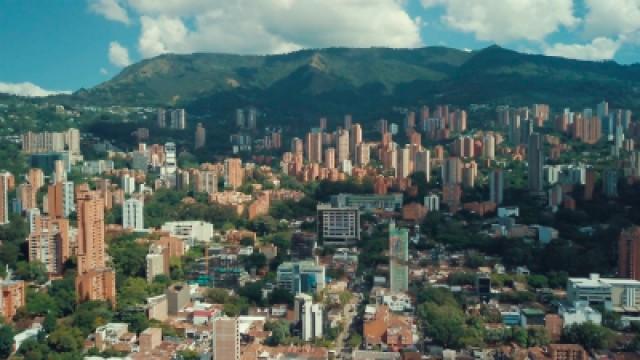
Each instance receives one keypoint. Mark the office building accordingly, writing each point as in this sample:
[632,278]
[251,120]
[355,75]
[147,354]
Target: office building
[398,258]
[313,146]
[133,214]
[309,316]
[226,339]
[368,202]
[618,295]
[190,232]
[629,253]
[302,276]
[338,225]
[342,145]
[496,186]
[355,140]
[535,161]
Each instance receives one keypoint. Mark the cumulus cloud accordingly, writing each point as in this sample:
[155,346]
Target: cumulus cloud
[600,48]
[27,89]
[118,55]
[110,9]
[271,26]
[611,18]
[507,20]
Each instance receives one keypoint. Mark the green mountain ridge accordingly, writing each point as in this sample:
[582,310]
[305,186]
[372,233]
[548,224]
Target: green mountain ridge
[365,80]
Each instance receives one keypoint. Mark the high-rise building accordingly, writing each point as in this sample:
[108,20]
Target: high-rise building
[432,202]
[355,139]
[161,118]
[423,163]
[94,281]
[452,171]
[240,121]
[133,214]
[314,146]
[49,242]
[496,186]
[363,153]
[207,181]
[128,184]
[342,145]
[535,161]
[489,147]
[330,158]
[233,173]
[60,200]
[398,258]
[170,159]
[178,119]
[252,118]
[309,315]
[201,136]
[226,339]
[338,225]
[629,253]
[4,197]
[35,177]
[610,183]
[403,163]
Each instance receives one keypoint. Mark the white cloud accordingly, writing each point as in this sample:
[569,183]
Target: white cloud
[507,20]
[600,48]
[271,26]
[104,71]
[611,18]
[27,89]
[110,9]
[118,54]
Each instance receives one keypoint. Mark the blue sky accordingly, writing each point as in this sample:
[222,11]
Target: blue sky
[69,44]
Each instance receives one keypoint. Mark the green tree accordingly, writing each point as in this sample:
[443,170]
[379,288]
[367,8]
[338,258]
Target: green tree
[589,335]
[445,324]
[6,341]
[65,339]
[280,332]
[217,296]
[34,271]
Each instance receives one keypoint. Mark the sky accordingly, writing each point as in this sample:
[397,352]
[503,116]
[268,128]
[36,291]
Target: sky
[49,46]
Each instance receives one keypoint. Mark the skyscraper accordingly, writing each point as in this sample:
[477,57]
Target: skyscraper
[403,163]
[489,146]
[535,160]
[226,339]
[423,163]
[629,253]
[354,140]
[4,197]
[314,146]
[342,146]
[496,186]
[94,281]
[309,316]
[133,214]
[452,171]
[398,258]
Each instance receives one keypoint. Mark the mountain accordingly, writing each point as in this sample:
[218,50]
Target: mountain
[365,81]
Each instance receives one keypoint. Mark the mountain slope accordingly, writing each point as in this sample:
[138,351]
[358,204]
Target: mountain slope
[365,81]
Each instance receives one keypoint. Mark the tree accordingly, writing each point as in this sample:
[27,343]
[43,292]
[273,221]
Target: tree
[354,340]
[445,324]
[34,271]
[217,296]
[6,341]
[538,281]
[65,339]
[281,296]
[280,331]
[589,335]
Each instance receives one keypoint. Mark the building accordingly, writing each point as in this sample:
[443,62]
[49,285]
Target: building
[189,231]
[94,281]
[12,297]
[178,296]
[422,163]
[133,214]
[619,295]
[367,202]
[301,276]
[49,242]
[535,161]
[578,313]
[496,186]
[398,258]
[313,146]
[338,225]
[342,146]
[388,331]
[201,136]
[226,339]
[233,173]
[432,202]
[157,261]
[4,197]
[309,316]
[629,253]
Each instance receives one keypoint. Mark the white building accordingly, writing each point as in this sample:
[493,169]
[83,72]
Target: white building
[338,225]
[619,295]
[68,203]
[133,214]
[155,262]
[190,231]
[310,317]
[128,184]
[432,202]
[578,313]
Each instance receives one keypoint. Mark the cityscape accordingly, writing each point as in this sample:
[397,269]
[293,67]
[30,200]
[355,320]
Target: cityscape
[325,201]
